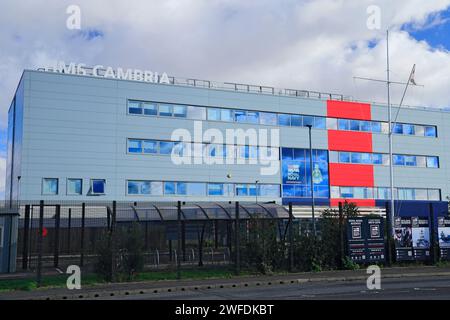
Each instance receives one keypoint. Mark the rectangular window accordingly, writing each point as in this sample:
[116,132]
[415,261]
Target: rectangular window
[356,157]
[320,123]
[180,111]
[253,117]
[421,194]
[397,128]
[434,194]
[419,130]
[377,158]
[241,190]
[240,116]
[346,192]
[365,126]
[430,131]
[284,119]
[308,121]
[343,124]
[196,113]
[408,129]
[50,186]
[181,188]
[354,125]
[134,107]
[165,147]
[213,114]
[139,187]
[215,189]
[344,157]
[74,186]
[268,118]
[383,193]
[226,115]
[385,127]
[376,127]
[251,189]
[366,158]
[331,123]
[399,160]
[296,120]
[196,189]
[169,188]
[156,188]
[98,186]
[386,160]
[134,146]
[410,161]
[421,161]
[150,146]
[269,190]
[432,162]
[150,109]
[165,110]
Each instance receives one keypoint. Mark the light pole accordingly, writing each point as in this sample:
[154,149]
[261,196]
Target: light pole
[256,183]
[312,182]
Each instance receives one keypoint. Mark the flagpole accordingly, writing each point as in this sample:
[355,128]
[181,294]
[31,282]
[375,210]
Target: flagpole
[391,166]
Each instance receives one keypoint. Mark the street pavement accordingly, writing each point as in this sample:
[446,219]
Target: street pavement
[424,282]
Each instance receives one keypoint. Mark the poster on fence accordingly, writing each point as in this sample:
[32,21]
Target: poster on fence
[444,237]
[403,239]
[420,238]
[356,239]
[375,240]
[365,239]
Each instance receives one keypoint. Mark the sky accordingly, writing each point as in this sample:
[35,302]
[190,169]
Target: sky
[316,45]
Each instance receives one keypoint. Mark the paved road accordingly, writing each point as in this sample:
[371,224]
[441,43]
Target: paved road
[436,287]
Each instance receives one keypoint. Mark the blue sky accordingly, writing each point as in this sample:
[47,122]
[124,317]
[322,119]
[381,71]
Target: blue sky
[436,31]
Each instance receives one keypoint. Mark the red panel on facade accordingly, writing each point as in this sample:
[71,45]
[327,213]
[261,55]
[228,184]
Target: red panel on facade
[351,175]
[349,141]
[358,202]
[348,110]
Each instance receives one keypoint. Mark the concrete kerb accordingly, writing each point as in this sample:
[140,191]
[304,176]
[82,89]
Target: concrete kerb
[102,294]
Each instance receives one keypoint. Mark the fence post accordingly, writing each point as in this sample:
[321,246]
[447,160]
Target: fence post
[26,231]
[183,239]
[341,236]
[83,218]
[291,239]
[216,234]
[57,229]
[433,245]
[114,216]
[39,243]
[69,226]
[388,235]
[237,240]
[178,240]
[113,242]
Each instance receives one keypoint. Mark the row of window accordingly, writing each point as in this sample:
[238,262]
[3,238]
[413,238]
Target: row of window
[74,186]
[270,118]
[383,193]
[163,147]
[383,159]
[160,188]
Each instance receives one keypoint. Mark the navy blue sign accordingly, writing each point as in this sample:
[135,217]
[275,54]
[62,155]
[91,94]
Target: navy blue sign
[444,237]
[296,170]
[365,239]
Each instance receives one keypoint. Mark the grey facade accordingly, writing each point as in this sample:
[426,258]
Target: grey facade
[64,126]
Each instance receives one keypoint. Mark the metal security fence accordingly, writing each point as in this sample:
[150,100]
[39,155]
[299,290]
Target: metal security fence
[56,234]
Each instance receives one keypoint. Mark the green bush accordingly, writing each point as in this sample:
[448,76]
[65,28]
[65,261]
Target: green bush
[120,254]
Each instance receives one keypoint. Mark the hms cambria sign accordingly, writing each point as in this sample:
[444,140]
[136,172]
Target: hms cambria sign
[109,72]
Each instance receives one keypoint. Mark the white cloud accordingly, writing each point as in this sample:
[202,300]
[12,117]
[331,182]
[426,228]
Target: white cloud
[318,45]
